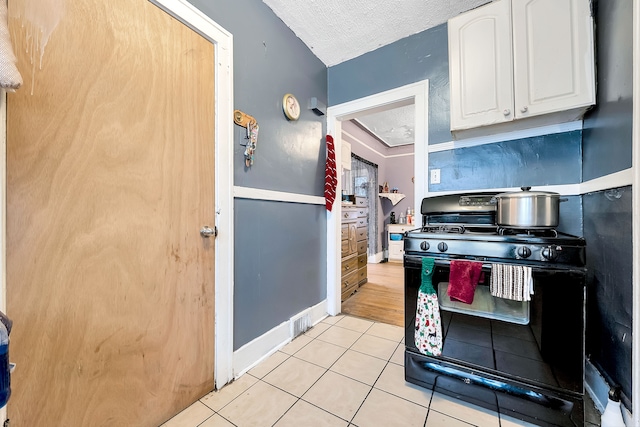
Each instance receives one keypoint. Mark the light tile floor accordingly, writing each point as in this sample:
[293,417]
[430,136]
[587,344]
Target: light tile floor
[345,371]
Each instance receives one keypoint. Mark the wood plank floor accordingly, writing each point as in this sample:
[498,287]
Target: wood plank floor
[382,297]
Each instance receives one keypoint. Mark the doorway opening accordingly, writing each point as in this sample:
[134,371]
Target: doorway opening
[417,94]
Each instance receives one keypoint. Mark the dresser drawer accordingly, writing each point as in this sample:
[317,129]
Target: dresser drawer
[349,265]
[362,275]
[362,247]
[362,212]
[349,214]
[361,233]
[349,284]
[362,260]
[362,222]
[361,202]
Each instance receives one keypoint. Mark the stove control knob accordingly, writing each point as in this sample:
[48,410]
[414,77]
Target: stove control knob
[442,247]
[550,253]
[524,252]
[424,246]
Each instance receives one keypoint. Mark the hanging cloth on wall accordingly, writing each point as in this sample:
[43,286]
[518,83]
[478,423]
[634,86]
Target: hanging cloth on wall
[428,333]
[330,175]
[10,78]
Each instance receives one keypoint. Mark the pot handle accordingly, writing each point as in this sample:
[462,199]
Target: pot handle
[525,188]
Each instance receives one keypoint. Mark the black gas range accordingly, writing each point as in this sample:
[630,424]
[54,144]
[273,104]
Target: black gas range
[463,227]
[521,358]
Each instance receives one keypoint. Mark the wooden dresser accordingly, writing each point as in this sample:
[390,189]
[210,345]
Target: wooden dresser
[354,245]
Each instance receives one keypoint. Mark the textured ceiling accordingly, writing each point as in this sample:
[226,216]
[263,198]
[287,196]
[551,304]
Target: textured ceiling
[393,127]
[339,30]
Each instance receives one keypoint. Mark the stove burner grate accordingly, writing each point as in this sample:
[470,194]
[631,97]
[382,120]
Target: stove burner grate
[528,232]
[444,228]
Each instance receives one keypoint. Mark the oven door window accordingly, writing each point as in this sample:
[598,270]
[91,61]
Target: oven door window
[485,305]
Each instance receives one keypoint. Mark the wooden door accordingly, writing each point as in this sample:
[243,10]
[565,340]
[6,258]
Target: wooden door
[110,176]
[553,56]
[480,66]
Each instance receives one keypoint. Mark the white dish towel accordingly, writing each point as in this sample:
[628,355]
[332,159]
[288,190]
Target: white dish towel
[510,281]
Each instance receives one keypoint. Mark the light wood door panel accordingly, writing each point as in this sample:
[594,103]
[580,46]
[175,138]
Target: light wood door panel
[110,175]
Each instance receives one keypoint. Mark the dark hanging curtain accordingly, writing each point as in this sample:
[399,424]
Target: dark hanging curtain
[362,181]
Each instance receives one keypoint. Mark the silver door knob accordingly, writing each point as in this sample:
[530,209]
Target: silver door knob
[524,109]
[207,231]
[506,112]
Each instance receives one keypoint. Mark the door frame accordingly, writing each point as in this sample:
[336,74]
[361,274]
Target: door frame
[417,93]
[224,280]
[635,358]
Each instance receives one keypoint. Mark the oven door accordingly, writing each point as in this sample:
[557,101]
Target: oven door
[533,356]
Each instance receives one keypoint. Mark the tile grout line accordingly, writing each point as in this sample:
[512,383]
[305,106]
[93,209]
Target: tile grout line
[330,325]
[323,374]
[316,381]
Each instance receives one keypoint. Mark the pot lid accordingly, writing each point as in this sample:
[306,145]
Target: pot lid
[526,193]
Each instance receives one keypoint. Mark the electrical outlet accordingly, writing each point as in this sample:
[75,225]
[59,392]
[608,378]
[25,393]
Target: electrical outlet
[435,176]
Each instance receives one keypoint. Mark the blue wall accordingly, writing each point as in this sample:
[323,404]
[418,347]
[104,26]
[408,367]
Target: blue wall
[542,160]
[609,283]
[412,59]
[607,129]
[280,248]
[607,219]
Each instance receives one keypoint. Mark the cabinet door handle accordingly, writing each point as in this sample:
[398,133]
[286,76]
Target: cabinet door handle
[524,109]
[506,112]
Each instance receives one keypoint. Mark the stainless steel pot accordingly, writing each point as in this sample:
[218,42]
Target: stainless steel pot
[528,209]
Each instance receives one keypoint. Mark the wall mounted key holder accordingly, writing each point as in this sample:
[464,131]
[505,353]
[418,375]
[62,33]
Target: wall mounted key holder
[249,122]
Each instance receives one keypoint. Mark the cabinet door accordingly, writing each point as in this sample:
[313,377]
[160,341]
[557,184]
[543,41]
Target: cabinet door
[353,238]
[553,56]
[480,66]
[396,251]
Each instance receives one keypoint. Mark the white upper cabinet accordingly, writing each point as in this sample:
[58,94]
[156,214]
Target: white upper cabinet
[481,66]
[514,59]
[553,55]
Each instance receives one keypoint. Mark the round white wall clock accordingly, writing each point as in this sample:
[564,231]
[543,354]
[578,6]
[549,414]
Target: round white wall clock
[291,107]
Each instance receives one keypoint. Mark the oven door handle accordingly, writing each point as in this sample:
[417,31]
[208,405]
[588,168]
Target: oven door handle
[415,261]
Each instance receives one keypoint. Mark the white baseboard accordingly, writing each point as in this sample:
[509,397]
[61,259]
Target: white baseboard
[254,352]
[375,259]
